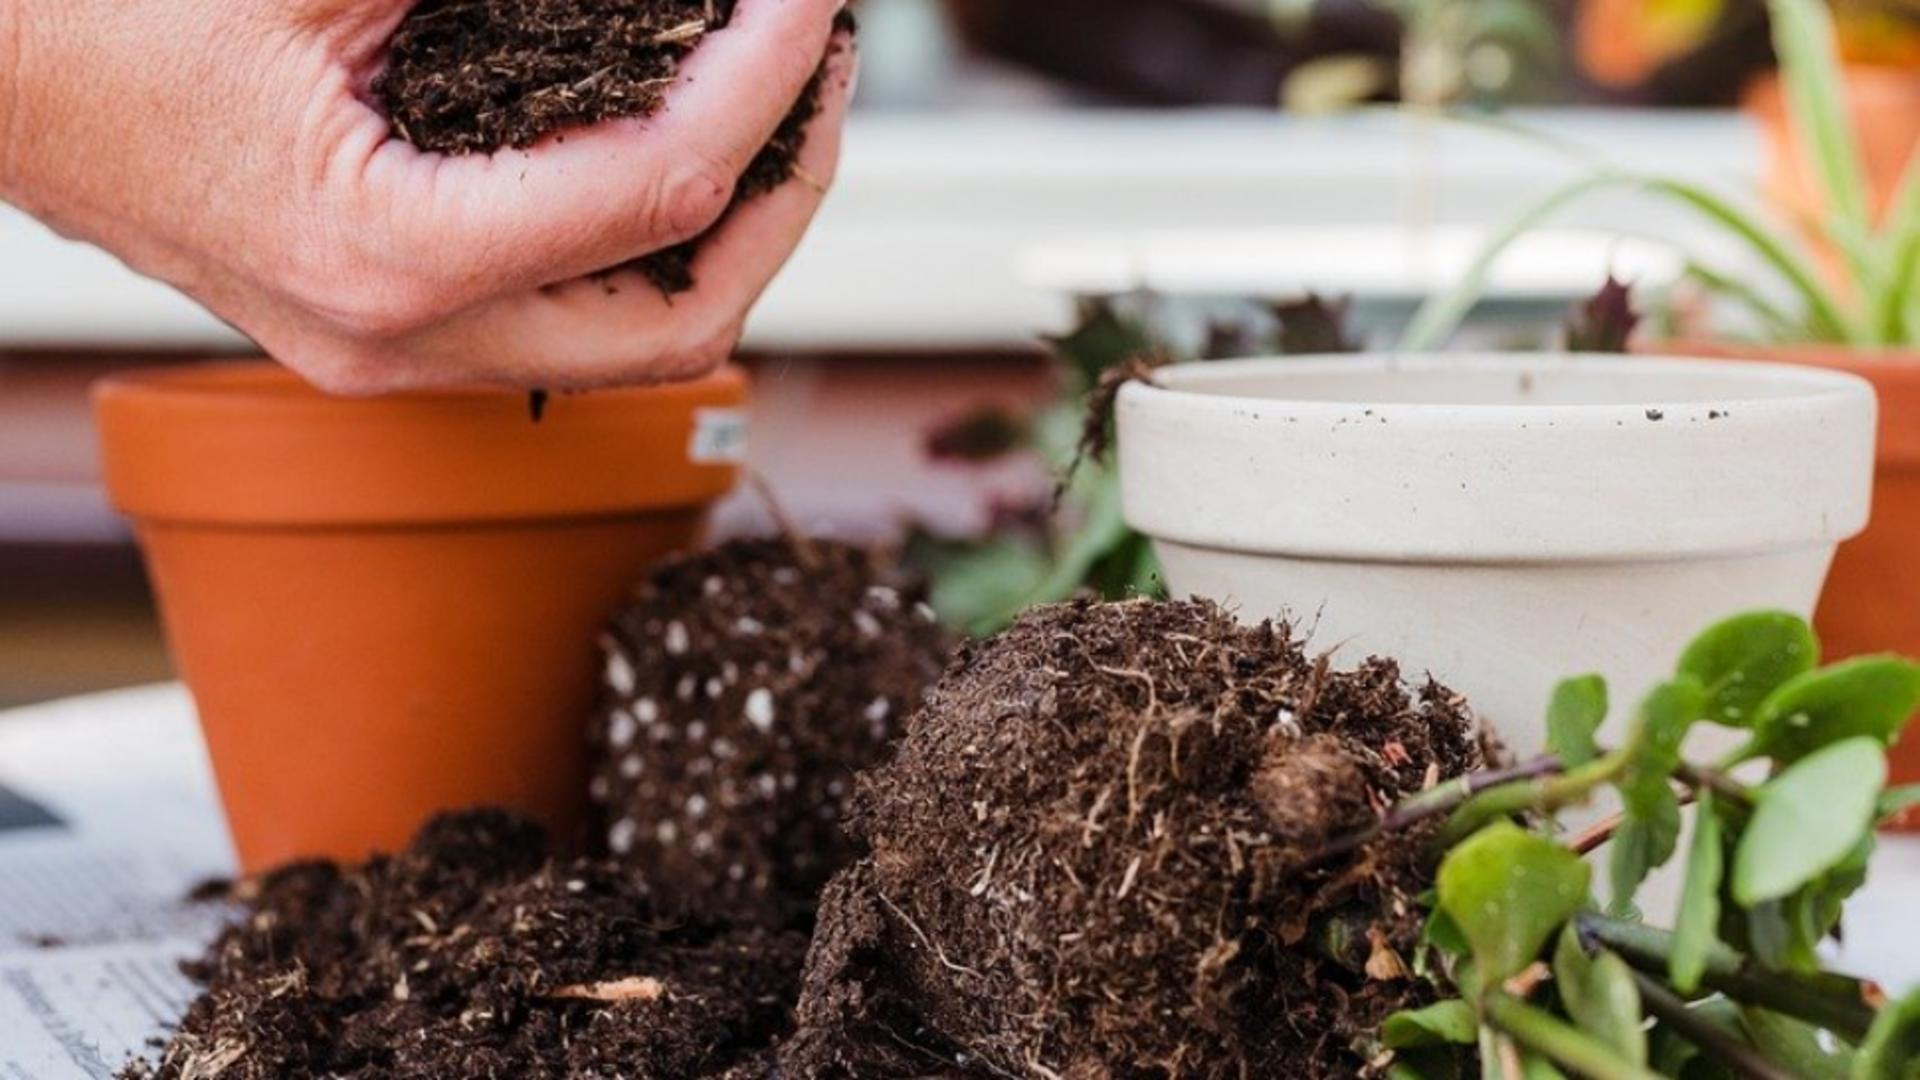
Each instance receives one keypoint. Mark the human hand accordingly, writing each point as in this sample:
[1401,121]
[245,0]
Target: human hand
[228,148]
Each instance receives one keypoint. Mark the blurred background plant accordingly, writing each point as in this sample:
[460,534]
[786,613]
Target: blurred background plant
[1040,553]
[1849,270]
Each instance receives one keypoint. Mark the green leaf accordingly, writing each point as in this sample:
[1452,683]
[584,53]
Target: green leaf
[1808,820]
[1777,939]
[1441,315]
[1508,891]
[1748,657]
[1893,1044]
[1442,1023]
[1535,1067]
[1665,717]
[1650,829]
[1443,934]
[1600,995]
[1871,696]
[1803,36]
[1897,801]
[1803,1049]
[1574,716]
[1645,840]
[1696,928]
[1102,338]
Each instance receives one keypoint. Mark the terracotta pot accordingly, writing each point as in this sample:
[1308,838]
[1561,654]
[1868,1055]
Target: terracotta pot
[388,607]
[1884,104]
[1872,600]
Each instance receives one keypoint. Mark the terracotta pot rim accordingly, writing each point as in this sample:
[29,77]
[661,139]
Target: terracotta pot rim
[249,444]
[1894,362]
[1893,373]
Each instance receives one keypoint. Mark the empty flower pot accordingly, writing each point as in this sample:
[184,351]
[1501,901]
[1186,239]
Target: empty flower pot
[1500,522]
[388,607]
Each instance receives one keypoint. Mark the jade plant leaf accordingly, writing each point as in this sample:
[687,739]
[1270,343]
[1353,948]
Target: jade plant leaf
[1744,659]
[1645,841]
[1508,891]
[1600,995]
[1440,1024]
[1650,830]
[1808,820]
[1696,927]
[1872,696]
[1892,1046]
[1802,1049]
[1574,716]
[1897,801]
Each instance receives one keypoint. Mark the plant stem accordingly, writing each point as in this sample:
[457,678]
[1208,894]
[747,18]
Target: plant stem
[1701,778]
[1436,801]
[1744,1060]
[1544,794]
[1561,1042]
[1834,1002]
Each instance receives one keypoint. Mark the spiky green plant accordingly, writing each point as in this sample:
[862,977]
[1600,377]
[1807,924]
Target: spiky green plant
[1875,306]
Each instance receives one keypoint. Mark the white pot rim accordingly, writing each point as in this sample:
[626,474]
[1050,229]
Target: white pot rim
[1496,458]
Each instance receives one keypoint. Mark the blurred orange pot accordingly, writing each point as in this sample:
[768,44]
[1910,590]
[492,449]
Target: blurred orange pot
[387,607]
[1872,601]
[1883,102]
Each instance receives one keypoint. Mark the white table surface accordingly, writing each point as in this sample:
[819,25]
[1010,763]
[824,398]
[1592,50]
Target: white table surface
[138,754]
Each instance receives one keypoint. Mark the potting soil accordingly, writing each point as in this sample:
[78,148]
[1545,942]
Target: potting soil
[477,954]
[476,76]
[1096,855]
[745,687]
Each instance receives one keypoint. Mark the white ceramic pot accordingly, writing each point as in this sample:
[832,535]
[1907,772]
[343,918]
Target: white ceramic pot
[1500,522]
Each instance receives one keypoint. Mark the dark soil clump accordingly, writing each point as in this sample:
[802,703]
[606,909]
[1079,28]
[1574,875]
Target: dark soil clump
[745,688]
[1097,854]
[475,954]
[476,76]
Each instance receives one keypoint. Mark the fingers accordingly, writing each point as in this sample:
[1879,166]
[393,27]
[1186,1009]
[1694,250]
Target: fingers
[621,330]
[617,329]
[600,196]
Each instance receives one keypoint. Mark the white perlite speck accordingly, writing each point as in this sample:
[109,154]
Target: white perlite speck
[883,597]
[749,626]
[620,838]
[760,709]
[621,728]
[676,639]
[869,626]
[620,674]
[697,806]
[879,709]
[632,766]
[646,711]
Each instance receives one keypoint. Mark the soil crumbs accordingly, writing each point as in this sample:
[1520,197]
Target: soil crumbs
[745,687]
[475,954]
[476,76]
[1096,855]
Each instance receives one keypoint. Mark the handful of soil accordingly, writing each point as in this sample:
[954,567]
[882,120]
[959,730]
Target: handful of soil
[475,76]
[1098,853]
[475,954]
[745,687]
